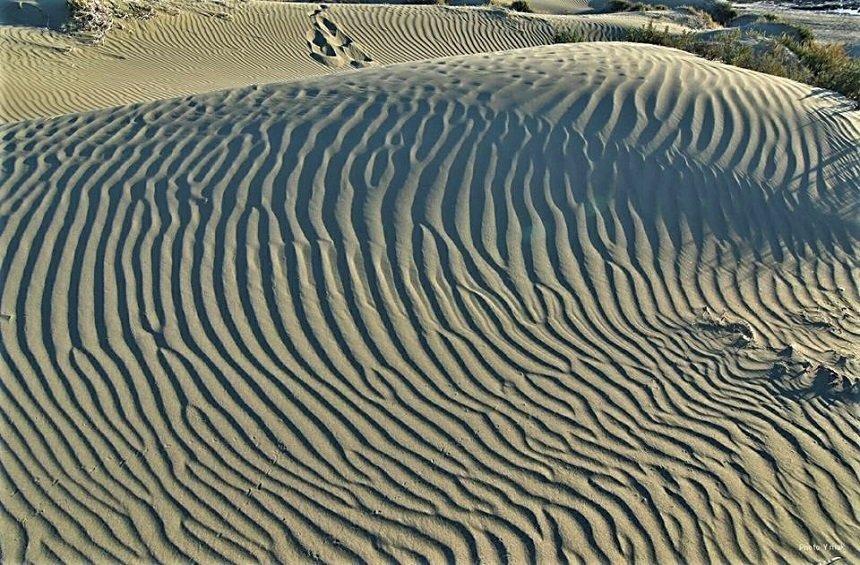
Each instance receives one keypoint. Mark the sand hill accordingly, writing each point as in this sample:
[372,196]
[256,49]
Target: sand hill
[48,73]
[260,42]
[593,302]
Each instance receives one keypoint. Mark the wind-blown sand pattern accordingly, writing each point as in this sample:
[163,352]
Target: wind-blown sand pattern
[47,74]
[610,27]
[448,311]
[395,34]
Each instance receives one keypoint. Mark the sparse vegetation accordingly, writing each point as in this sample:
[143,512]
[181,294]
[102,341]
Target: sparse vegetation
[93,19]
[569,36]
[705,21]
[804,34]
[520,6]
[627,6]
[830,65]
[824,65]
[819,64]
[722,12]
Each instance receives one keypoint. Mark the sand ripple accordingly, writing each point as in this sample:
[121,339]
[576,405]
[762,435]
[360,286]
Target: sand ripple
[470,309]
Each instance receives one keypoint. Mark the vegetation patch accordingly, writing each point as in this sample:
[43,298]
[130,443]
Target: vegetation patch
[569,36]
[801,58]
[830,65]
[93,19]
[824,65]
[704,19]
[520,6]
[627,6]
[722,12]
[804,34]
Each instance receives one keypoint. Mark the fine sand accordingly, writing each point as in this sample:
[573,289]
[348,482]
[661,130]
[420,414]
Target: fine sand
[47,73]
[832,27]
[561,304]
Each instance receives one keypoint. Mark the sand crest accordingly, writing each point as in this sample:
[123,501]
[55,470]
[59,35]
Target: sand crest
[48,74]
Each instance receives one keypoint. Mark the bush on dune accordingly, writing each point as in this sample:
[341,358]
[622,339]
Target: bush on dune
[820,64]
[824,65]
[705,21]
[93,19]
[722,12]
[831,66]
[520,6]
[805,34]
[569,36]
[627,6]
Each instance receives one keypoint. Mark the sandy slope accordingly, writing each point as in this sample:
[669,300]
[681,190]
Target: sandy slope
[448,310]
[834,28]
[47,74]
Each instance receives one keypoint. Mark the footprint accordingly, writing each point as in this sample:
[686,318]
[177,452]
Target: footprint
[331,47]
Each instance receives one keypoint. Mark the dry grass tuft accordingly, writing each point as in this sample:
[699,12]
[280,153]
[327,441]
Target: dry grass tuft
[93,19]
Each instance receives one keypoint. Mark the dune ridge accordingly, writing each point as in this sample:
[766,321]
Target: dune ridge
[481,308]
[47,74]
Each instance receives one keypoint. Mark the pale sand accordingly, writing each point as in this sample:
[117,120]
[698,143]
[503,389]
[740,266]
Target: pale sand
[443,310]
[834,28]
[46,73]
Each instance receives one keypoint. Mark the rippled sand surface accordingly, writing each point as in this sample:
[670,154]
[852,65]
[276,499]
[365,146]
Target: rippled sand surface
[579,303]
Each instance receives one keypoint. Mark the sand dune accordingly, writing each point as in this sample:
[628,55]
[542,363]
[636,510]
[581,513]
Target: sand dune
[829,27]
[48,74]
[506,307]
[561,6]
[160,58]
[611,27]
[395,34]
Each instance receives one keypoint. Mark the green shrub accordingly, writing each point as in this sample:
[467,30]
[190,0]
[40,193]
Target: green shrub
[705,19]
[619,6]
[805,34]
[820,64]
[627,6]
[569,36]
[520,6]
[89,17]
[649,34]
[831,66]
[722,12]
